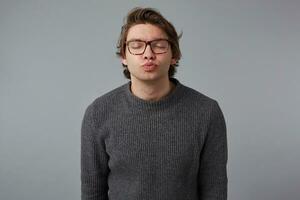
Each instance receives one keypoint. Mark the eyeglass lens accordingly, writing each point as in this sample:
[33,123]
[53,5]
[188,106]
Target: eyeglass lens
[157,46]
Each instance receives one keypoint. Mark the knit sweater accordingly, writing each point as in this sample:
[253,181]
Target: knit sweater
[171,149]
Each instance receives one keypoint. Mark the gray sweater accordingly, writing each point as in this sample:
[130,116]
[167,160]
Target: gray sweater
[172,149]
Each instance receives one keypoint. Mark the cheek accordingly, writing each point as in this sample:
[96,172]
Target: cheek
[127,60]
[133,63]
[167,60]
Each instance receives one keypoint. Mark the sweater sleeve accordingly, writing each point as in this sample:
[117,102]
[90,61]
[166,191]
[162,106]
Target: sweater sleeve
[212,176]
[94,159]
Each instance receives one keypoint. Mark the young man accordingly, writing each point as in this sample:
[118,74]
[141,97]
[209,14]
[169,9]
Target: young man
[152,138]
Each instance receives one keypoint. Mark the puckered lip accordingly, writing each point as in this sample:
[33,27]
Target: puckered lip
[149,64]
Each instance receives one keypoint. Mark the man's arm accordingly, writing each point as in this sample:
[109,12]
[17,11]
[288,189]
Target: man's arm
[94,168]
[213,159]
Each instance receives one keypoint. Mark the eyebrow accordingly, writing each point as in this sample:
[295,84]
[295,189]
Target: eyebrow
[137,39]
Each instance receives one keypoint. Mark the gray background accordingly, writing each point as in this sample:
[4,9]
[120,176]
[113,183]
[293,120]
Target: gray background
[58,56]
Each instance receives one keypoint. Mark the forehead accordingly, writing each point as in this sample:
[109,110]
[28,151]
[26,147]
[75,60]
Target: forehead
[145,32]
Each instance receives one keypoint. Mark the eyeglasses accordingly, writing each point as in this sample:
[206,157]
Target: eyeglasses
[138,47]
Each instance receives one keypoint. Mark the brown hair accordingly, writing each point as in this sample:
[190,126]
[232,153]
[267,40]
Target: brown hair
[151,16]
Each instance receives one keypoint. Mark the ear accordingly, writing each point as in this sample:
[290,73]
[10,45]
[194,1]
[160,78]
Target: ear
[124,61]
[173,61]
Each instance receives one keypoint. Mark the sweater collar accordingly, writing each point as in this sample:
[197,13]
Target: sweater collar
[168,100]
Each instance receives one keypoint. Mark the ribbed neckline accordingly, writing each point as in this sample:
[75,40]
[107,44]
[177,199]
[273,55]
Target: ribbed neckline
[137,102]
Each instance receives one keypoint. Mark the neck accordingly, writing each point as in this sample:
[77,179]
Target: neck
[151,91]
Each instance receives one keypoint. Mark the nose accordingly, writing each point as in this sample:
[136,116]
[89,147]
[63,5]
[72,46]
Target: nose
[148,54]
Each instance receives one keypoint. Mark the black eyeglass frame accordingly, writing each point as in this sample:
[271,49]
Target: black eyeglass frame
[146,44]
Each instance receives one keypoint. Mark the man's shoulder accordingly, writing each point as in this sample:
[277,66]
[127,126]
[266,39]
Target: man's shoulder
[110,98]
[196,101]
[197,96]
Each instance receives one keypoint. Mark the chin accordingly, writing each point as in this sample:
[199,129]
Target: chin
[150,77]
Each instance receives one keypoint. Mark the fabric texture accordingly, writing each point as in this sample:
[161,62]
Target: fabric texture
[171,149]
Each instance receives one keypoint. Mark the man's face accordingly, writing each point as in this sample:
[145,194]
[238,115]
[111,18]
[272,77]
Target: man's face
[148,66]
